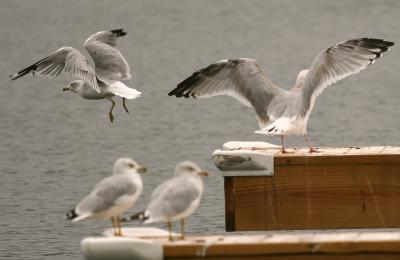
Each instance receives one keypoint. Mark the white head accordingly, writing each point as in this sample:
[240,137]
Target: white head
[75,86]
[189,168]
[123,165]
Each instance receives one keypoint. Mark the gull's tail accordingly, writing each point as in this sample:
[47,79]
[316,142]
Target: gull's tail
[138,216]
[120,89]
[278,127]
[73,216]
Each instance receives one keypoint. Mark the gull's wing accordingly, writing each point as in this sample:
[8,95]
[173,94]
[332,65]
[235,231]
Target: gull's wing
[109,192]
[65,59]
[109,62]
[239,78]
[337,62]
[171,198]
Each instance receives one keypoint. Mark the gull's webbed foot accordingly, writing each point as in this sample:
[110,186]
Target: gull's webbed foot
[284,151]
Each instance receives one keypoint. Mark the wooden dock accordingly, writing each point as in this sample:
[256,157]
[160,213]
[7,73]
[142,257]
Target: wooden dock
[338,188]
[153,244]
[354,187]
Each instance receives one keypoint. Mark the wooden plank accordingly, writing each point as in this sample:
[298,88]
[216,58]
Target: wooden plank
[151,243]
[353,187]
[370,256]
[336,159]
[319,196]
[229,204]
[286,246]
[190,249]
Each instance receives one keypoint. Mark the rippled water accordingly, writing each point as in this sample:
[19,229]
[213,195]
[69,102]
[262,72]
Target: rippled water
[55,146]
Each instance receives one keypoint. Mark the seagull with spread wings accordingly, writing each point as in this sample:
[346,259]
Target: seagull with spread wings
[99,82]
[282,112]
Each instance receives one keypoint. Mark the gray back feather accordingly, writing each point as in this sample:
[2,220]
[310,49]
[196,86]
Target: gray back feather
[109,62]
[168,200]
[107,193]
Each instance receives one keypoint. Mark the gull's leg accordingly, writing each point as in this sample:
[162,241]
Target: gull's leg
[183,229]
[111,109]
[114,226]
[124,105]
[283,147]
[312,150]
[170,230]
[119,226]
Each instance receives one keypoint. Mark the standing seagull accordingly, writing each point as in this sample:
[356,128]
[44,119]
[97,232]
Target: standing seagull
[98,82]
[113,195]
[176,198]
[282,112]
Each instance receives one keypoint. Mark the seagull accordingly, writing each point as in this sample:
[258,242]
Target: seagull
[176,198]
[99,82]
[112,196]
[282,112]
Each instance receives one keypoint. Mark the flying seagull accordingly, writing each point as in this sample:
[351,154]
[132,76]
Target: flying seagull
[98,82]
[112,196]
[176,198]
[282,112]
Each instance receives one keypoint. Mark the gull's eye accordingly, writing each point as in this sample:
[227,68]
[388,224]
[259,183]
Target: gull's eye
[131,165]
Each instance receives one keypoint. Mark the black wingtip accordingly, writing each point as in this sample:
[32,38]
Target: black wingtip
[184,88]
[389,43]
[32,68]
[138,216]
[375,43]
[172,92]
[119,32]
[22,73]
[71,215]
[380,42]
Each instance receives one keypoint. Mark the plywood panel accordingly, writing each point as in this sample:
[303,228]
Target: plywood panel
[314,192]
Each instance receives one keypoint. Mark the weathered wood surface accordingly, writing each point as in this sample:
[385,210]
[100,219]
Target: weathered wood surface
[337,188]
[340,244]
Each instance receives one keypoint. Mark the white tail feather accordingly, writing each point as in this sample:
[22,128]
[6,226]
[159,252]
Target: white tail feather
[277,127]
[120,89]
[81,217]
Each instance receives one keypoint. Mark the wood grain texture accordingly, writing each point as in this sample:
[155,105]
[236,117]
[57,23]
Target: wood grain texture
[264,249]
[318,192]
[229,204]
[321,244]
[297,257]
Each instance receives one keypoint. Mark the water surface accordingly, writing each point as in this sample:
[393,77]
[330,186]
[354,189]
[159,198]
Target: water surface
[55,146]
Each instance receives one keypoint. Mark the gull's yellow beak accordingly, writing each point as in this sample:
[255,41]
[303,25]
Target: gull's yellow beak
[203,173]
[141,169]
